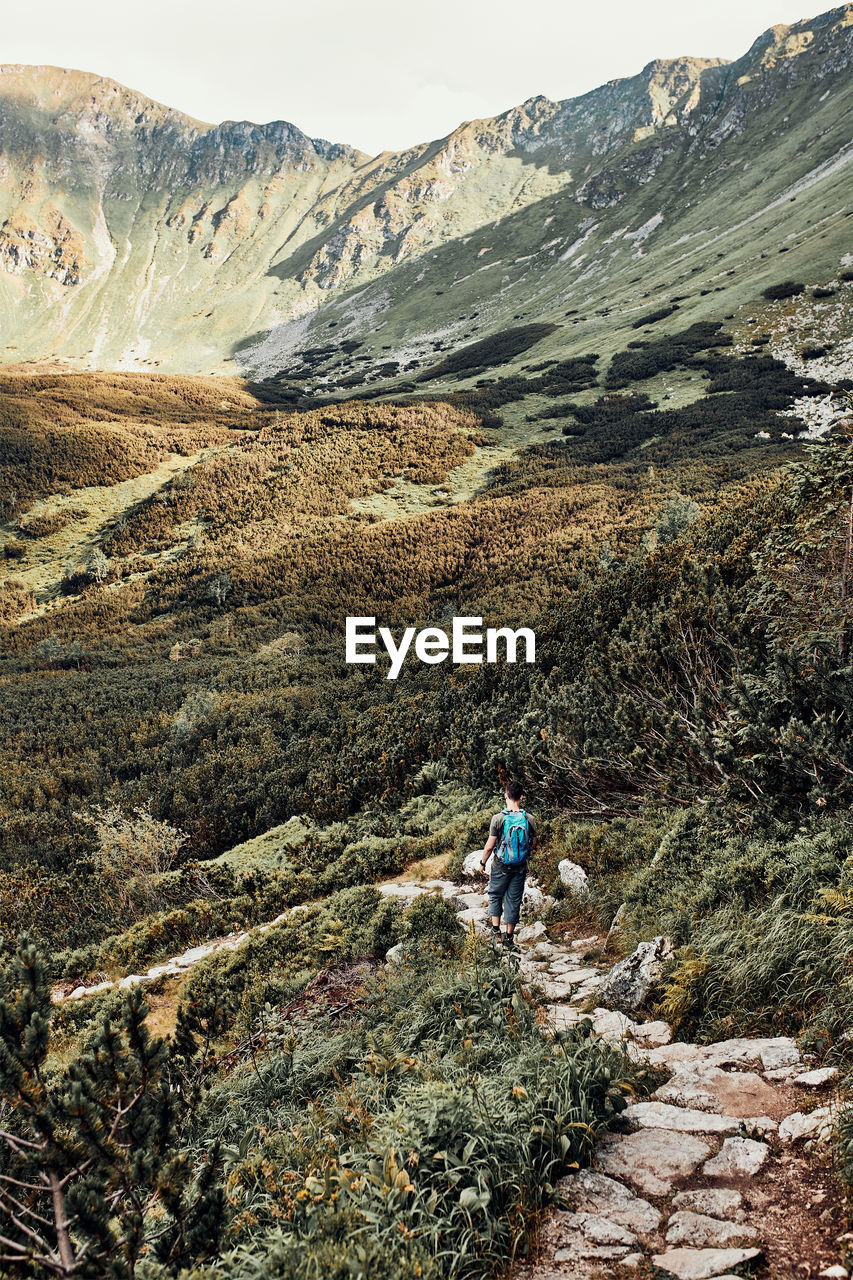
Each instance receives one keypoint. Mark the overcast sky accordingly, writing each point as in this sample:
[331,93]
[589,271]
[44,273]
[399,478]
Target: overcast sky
[375,73]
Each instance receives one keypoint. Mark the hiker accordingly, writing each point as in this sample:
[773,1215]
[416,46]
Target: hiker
[514,833]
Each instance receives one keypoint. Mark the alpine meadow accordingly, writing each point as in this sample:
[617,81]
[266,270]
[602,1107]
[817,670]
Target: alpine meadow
[344,499]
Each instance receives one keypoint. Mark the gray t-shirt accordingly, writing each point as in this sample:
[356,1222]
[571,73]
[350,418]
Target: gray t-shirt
[496,826]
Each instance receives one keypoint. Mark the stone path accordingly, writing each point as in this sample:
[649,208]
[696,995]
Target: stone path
[726,1166]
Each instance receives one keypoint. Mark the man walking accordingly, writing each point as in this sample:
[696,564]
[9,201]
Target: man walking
[512,836]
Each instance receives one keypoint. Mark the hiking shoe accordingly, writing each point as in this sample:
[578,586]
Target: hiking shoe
[495,935]
[509,942]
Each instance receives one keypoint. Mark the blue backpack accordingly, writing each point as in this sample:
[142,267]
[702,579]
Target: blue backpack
[514,846]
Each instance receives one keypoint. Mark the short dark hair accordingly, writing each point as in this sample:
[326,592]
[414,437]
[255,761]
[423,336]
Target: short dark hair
[514,791]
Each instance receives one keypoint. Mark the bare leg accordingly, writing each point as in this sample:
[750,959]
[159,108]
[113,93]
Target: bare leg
[496,922]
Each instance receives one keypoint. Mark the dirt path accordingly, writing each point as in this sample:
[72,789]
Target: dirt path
[41,569]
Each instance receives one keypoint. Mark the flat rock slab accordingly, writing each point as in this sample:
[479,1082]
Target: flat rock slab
[591,1192]
[543,949]
[473,915]
[701,1231]
[651,1033]
[585,1236]
[405,894]
[772,1053]
[784,1073]
[737,1158]
[652,1160]
[611,1025]
[717,1202]
[659,1115]
[467,901]
[815,1079]
[701,1264]
[561,1016]
[731,1093]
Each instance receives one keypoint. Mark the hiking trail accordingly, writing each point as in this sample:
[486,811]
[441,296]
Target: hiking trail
[727,1165]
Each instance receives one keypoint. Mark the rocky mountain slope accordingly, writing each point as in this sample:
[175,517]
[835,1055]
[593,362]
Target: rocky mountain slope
[133,236]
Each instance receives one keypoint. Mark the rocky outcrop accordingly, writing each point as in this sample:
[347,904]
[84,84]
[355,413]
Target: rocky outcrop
[48,247]
[573,877]
[629,983]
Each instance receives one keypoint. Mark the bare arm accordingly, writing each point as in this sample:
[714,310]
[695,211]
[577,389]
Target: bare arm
[487,849]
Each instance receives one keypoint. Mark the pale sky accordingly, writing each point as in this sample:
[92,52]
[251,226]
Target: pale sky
[375,73]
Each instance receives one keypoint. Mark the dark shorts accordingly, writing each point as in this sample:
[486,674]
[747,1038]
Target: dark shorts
[506,886]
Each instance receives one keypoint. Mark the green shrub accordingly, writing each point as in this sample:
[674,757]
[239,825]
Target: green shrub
[426,1133]
[653,316]
[497,349]
[787,289]
[431,923]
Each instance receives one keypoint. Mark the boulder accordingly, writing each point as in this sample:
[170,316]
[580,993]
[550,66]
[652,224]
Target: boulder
[628,984]
[617,925]
[651,1033]
[394,955]
[532,900]
[471,865]
[573,877]
[813,1124]
[530,932]
[611,1025]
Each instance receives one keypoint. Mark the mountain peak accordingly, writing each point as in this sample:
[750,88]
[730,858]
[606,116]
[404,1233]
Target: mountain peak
[188,243]
[60,91]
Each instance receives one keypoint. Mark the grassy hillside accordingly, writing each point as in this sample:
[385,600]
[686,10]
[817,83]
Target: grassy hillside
[186,753]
